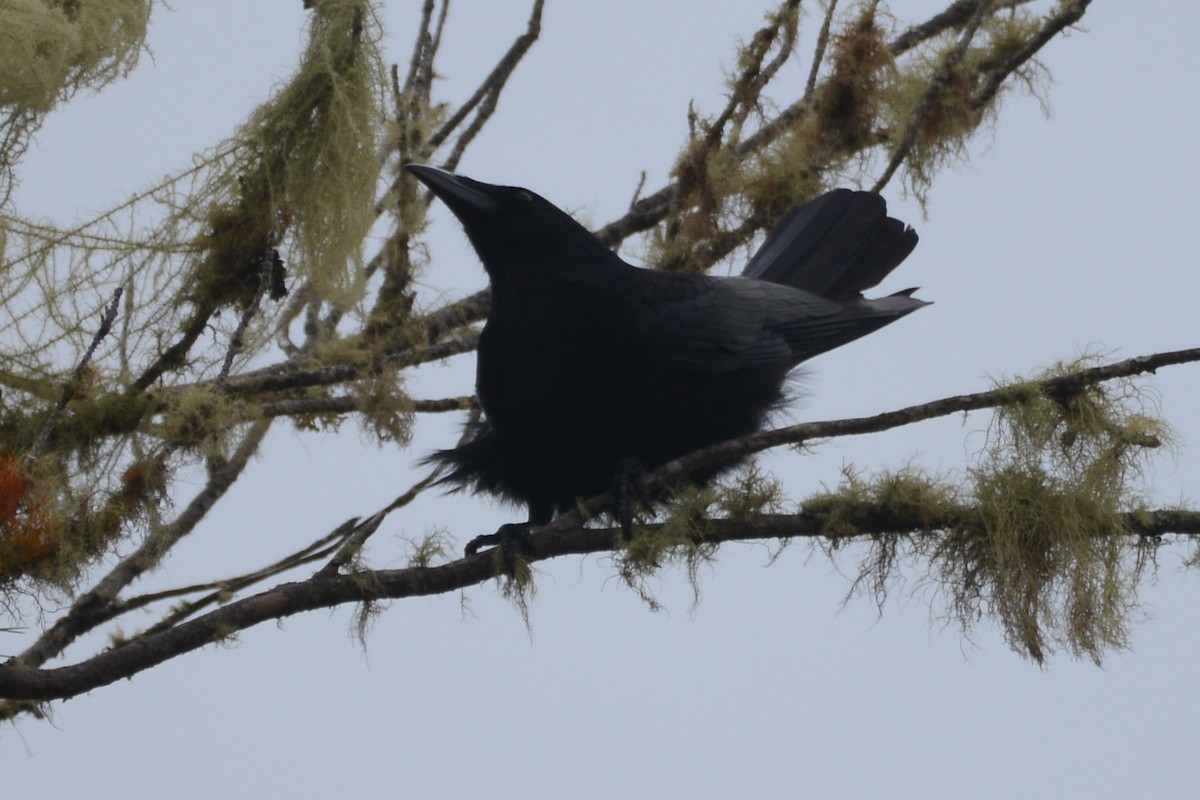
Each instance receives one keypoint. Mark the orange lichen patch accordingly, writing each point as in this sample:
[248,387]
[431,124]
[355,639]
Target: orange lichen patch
[84,386]
[848,101]
[12,486]
[27,546]
[143,481]
[27,528]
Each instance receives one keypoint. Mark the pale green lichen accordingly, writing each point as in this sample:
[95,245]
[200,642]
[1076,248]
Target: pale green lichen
[1035,537]
[51,49]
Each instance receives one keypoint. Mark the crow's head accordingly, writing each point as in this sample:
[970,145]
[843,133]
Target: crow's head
[513,230]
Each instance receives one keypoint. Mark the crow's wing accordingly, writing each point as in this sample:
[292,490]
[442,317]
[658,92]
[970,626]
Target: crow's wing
[713,325]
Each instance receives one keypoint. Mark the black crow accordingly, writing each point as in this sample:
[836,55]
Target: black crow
[591,370]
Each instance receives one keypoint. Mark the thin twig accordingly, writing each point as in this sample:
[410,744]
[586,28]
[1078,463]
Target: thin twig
[266,263]
[176,354]
[810,86]
[489,92]
[221,591]
[744,94]
[365,529]
[351,546]
[72,387]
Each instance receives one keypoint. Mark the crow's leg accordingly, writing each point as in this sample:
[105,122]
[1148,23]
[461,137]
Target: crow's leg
[629,483]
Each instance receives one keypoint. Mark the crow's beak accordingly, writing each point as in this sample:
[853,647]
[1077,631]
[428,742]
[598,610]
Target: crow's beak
[462,195]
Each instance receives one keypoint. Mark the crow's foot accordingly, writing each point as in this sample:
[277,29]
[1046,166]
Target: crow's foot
[511,538]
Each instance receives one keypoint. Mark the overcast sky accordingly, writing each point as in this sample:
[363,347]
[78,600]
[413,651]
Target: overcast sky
[1062,234]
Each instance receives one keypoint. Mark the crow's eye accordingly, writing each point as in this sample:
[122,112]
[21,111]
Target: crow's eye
[524,197]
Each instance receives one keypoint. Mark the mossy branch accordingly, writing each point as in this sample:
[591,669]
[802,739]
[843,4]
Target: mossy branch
[940,78]
[856,515]
[1066,15]
[20,682]
[1063,385]
[98,605]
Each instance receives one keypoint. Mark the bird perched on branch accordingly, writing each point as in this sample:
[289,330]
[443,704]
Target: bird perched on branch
[592,371]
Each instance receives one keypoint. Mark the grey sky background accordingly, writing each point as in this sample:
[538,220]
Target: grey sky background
[1061,234]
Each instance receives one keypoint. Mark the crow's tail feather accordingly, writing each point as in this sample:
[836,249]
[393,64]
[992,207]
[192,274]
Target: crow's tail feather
[835,246]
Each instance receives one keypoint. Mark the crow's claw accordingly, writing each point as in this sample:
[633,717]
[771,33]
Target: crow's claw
[514,536]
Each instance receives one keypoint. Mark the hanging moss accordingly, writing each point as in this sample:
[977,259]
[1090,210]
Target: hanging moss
[386,410]
[907,500]
[239,251]
[309,169]
[29,526]
[680,540]
[1035,536]
[1058,474]
[202,419]
[896,509]
[48,536]
[51,50]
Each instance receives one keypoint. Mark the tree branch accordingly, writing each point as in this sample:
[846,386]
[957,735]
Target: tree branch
[1066,15]
[97,606]
[347,404]
[485,97]
[21,680]
[936,85]
[805,432]
[221,590]
[288,375]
